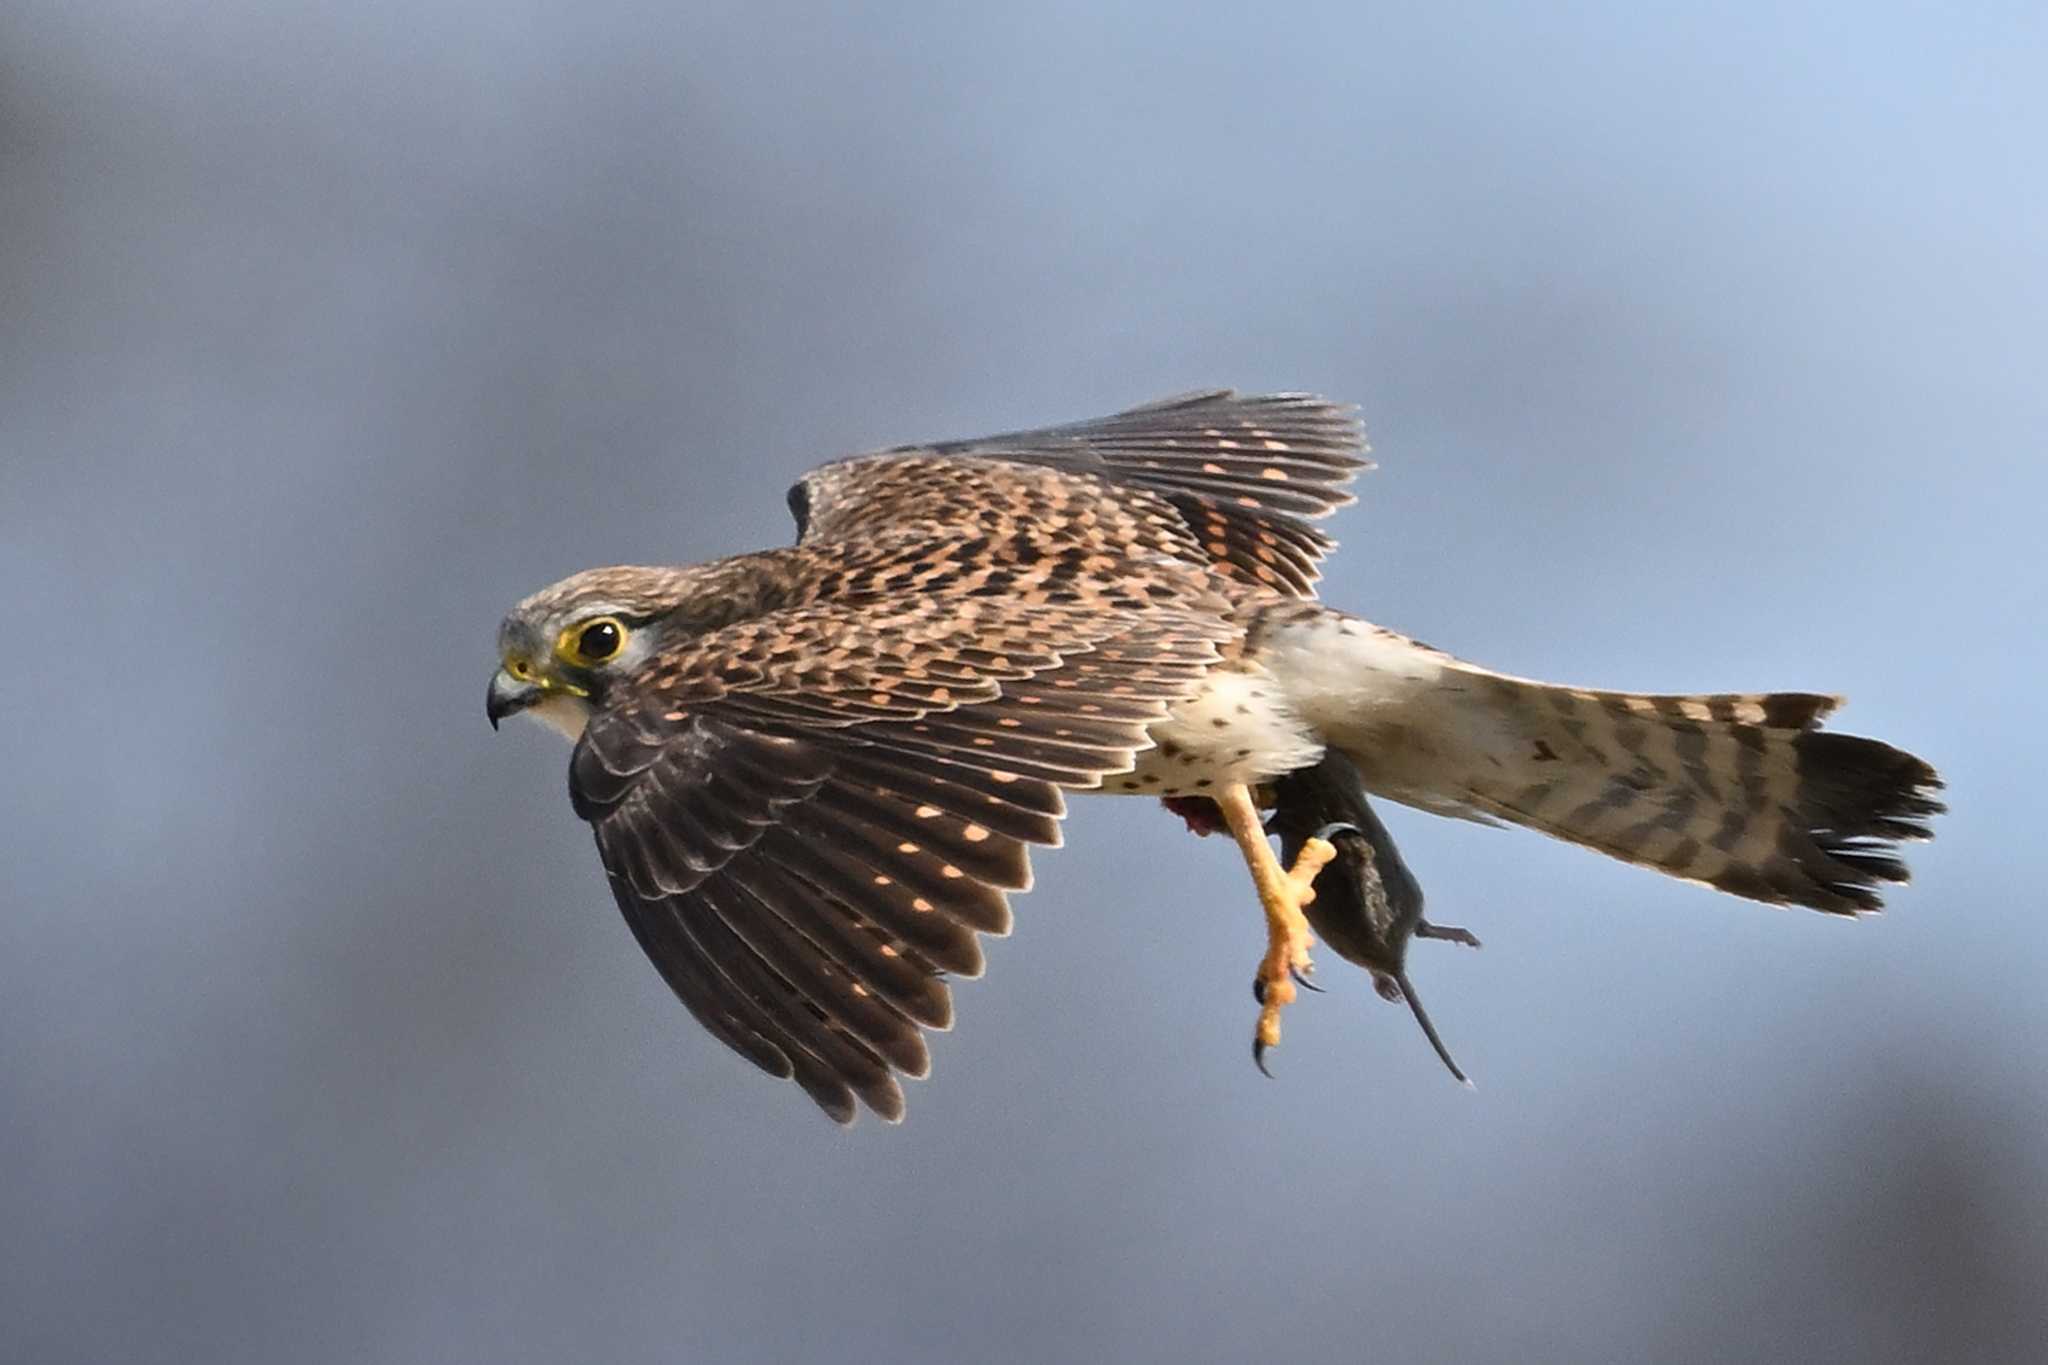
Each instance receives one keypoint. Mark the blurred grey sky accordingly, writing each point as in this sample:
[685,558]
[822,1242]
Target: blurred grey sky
[1701,348]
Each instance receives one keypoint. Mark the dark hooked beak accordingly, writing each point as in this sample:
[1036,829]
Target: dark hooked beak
[508,696]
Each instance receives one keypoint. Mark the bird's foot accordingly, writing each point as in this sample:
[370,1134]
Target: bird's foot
[1288,940]
[1449,933]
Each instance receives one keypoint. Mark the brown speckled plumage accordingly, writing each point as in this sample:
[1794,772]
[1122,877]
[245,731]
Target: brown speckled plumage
[817,771]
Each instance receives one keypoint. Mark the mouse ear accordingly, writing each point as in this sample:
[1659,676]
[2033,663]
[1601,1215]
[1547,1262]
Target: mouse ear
[1407,991]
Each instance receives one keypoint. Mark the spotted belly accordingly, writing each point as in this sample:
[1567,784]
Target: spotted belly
[1239,728]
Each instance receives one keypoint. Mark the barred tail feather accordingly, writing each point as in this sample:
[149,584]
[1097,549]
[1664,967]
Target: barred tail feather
[1740,791]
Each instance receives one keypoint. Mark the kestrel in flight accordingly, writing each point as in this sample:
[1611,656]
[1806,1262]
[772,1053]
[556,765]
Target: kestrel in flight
[815,772]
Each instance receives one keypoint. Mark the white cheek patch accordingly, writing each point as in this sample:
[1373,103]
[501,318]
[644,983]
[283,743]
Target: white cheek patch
[563,714]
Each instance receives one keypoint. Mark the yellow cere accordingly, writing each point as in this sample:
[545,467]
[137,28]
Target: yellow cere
[524,671]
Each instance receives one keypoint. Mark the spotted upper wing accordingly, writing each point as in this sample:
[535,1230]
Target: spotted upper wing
[1236,479]
[808,816]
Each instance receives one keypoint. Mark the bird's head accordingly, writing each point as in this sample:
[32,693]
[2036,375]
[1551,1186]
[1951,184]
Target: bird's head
[561,648]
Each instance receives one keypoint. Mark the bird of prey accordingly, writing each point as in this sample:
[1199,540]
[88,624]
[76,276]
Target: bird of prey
[814,772]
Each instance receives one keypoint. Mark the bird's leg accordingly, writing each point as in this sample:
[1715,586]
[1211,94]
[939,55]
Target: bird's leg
[1449,933]
[1282,893]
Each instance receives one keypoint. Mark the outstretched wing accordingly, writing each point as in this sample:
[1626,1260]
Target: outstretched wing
[1237,480]
[807,817]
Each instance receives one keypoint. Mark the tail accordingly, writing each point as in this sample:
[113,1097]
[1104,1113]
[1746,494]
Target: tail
[1739,791]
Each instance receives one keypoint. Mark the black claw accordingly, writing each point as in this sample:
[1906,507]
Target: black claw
[1337,827]
[1259,1058]
[1302,982]
[1259,989]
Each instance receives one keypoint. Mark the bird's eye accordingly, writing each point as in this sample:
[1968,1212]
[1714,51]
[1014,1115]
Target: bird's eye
[592,642]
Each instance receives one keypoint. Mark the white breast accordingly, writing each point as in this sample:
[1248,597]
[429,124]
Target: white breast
[1238,728]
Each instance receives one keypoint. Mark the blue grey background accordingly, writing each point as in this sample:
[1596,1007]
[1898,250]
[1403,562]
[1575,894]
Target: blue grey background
[1702,348]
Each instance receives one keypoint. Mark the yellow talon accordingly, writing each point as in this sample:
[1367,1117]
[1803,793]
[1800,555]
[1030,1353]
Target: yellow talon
[1282,894]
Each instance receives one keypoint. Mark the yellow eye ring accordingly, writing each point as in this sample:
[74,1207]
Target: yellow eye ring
[590,643]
